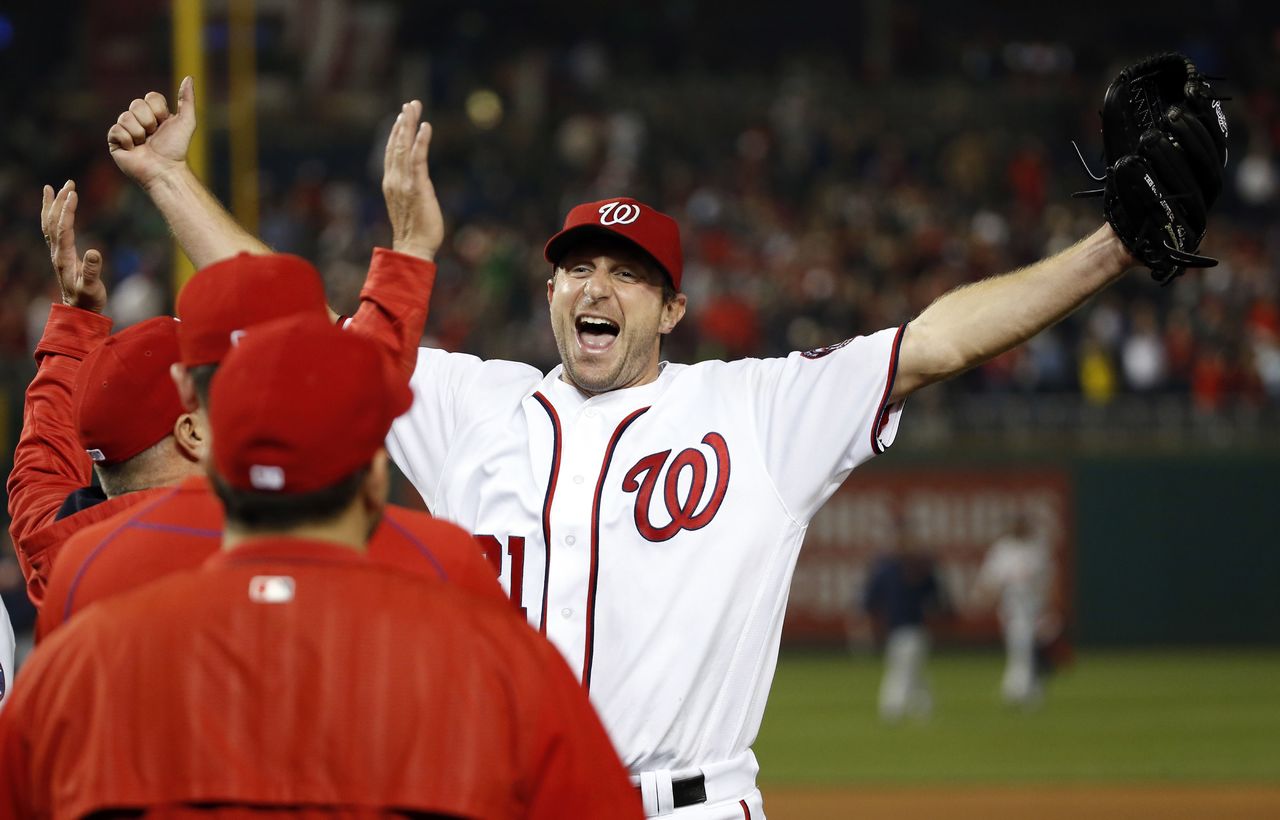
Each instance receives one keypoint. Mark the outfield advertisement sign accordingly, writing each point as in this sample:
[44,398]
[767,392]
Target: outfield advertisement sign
[953,515]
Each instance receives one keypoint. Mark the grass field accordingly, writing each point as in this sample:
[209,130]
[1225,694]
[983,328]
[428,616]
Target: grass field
[1141,717]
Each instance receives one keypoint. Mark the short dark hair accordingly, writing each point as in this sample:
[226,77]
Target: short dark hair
[276,512]
[668,290]
[202,377]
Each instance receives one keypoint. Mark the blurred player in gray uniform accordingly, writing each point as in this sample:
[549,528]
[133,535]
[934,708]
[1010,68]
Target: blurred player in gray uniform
[1019,571]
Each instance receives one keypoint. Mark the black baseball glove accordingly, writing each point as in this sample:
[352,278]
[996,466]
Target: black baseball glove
[1164,136]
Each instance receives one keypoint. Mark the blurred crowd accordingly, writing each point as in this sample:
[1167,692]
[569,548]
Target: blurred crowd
[816,202]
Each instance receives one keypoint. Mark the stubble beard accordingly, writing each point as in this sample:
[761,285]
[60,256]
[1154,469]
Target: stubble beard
[617,376]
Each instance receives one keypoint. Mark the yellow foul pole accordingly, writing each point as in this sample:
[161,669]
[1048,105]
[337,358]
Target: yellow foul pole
[242,57]
[189,58]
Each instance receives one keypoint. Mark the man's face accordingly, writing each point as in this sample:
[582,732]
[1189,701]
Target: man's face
[608,314]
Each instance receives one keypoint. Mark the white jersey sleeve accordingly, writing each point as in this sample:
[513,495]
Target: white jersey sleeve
[7,646]
[449,390]
[419,440]
[823,412]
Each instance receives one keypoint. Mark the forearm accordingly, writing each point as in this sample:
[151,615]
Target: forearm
[977,322]
[49,461]
[393,304]
[204,229]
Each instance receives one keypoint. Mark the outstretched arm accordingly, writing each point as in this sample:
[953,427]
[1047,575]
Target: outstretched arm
[149,143]
[977,322]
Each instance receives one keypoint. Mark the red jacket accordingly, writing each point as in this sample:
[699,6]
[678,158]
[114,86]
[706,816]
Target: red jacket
[182,527]
[49,464]
[393,304]
[298,673]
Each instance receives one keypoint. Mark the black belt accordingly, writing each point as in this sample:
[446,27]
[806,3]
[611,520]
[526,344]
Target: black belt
[688,791]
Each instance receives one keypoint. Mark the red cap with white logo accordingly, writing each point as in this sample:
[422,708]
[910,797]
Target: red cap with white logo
[652,231]
[123,399]
[298,405]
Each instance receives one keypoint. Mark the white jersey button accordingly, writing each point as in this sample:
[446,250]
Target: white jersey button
[591,414]
[570,540]
[566,612]
[578,479]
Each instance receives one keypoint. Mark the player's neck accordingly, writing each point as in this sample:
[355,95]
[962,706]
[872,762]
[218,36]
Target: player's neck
[649,376]
[351,528]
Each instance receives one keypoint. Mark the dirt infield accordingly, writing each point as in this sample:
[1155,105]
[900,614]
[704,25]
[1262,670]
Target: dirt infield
[1158,801]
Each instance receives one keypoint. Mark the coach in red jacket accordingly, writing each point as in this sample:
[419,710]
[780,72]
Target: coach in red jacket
[182,526]
[139,434]
[289,672]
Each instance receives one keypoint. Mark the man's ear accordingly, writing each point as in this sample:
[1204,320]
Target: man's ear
[551,288]
[672,313]
[377,484]
[192,436]
[186,386]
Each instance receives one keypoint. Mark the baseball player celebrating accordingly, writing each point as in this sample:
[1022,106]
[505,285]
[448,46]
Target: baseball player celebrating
[648,515]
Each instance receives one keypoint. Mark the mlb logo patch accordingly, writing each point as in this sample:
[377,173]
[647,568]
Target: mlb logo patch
[266,477]
[271,589]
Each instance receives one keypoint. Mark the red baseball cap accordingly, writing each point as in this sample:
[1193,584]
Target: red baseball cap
[652,231]
[298,405]
[123,398]
[224,298]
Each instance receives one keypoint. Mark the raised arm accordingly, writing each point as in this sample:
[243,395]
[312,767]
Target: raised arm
[396,294]
[417,226]
[150,145]
[1165,138]
[49,462]
[973,323]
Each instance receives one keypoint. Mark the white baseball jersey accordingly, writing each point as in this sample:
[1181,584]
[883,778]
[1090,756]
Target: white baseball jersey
[7,645]
[651,532]
[1021,569]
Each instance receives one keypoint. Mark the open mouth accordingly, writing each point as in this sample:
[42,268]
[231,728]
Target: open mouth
[595,334]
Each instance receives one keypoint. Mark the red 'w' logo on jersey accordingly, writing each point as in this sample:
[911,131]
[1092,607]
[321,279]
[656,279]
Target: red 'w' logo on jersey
[689,513]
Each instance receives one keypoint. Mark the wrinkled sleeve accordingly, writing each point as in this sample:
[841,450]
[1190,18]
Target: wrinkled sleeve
[821,413]
[48,462]
[420,440]
[394,303]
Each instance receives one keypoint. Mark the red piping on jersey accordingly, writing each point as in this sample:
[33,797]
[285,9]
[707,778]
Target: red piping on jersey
[746,812]
[546,505]
[595,545]
[882,413]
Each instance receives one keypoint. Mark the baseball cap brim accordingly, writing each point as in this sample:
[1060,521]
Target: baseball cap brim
[561,243]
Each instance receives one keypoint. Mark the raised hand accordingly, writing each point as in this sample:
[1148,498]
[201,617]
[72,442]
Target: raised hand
[417,226]
[147,141]
[79,279]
